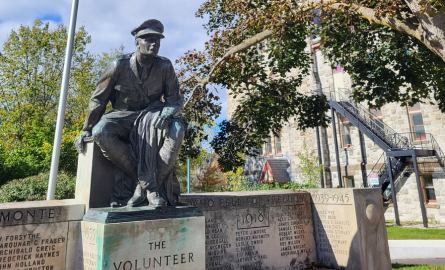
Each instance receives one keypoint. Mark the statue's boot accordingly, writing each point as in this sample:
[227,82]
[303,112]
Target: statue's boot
[155,199]
[139,196]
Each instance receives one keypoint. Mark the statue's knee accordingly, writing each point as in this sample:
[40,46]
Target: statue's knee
[100,134]
[177,131]
[175,135]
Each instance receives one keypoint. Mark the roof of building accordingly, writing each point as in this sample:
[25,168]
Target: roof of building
[279,166]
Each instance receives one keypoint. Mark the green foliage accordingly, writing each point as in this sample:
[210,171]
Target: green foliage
[255,45]
[235,181]
[31,65]
[309,167]
[417,267]
[198,163]
[34,188]
[251,185]
[210,180]
[385,65]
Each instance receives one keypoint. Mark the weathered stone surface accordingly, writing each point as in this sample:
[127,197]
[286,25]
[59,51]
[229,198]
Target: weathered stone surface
[154,244]
[350,230]
[126,214]
[73,244]
[256,230]
[95,177]
[40,212]
[34,246]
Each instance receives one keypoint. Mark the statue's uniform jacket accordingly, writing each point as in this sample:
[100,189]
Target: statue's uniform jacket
[121,85]
[126,134]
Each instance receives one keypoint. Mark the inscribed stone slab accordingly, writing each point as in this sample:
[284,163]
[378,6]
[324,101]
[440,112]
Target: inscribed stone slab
[256,230]
[154,244]
[350,230]
[33,246]
[40,212]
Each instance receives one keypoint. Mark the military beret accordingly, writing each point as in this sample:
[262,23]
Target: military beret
[149,27]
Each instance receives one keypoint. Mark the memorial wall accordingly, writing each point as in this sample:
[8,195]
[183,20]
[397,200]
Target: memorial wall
[287,229]
[34,235]
[280,229]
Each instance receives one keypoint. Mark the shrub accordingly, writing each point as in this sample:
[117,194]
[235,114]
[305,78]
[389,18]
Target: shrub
[35,188]
[309,168]
[211,180]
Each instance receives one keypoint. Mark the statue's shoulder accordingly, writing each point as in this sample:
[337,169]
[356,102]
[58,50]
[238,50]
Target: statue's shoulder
[117,64]
[124,57]
[164,61]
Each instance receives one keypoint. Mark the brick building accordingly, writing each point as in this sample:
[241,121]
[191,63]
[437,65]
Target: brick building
[366,137]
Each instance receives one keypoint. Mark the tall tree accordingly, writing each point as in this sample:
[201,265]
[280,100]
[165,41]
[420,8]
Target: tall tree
[31,65]
[393,50]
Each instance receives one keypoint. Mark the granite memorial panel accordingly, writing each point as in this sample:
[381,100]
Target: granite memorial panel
[34,235]
[350,231]
[256,230]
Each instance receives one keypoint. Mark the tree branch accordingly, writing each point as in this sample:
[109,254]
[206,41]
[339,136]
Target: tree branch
[409,25]
[239,48]
[401,25]
[233,50]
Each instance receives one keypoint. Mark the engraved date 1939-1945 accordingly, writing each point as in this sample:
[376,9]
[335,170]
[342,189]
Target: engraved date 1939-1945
[326,198]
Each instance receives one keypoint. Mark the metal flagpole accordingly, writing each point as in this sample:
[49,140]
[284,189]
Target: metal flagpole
[62,104]
[188,174]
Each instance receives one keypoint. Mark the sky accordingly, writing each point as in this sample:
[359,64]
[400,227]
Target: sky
[109,22]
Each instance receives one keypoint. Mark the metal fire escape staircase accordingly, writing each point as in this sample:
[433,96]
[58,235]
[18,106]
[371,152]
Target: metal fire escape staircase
[399,147]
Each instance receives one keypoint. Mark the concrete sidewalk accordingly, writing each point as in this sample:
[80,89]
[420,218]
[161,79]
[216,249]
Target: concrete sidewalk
[417,249]
[420,261]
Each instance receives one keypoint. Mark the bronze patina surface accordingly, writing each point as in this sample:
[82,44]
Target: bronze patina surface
[143,133]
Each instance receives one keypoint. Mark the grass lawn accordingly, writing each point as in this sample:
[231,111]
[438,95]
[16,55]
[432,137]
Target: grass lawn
[417,267]
[398,233]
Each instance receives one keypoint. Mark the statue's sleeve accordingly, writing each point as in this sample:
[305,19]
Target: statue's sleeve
[101,96]
[174,101]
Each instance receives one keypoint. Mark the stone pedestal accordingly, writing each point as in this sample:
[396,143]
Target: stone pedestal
[124,239]
[34,235]
[95,177]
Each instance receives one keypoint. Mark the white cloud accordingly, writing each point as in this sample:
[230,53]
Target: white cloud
[109,22]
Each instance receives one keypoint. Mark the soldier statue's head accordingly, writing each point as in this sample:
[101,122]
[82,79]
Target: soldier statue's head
[148,37]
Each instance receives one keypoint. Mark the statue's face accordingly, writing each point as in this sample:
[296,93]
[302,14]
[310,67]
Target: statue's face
[148,44]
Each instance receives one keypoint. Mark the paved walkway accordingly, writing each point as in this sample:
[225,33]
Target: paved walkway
[420,261]
[417,249]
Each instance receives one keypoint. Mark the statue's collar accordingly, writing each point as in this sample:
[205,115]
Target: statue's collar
[134,68]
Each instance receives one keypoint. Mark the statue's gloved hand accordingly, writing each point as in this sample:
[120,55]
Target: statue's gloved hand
[79,141]
[163,120]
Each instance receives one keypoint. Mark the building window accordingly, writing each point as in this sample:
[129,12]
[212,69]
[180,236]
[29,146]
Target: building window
[378,116]
[269,146]
[278,145]
[261,151]
[349,181]
[345,128]
[416,118]
[376,112]
[428,188]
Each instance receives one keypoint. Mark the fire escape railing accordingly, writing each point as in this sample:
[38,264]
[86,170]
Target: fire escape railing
[394,141]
